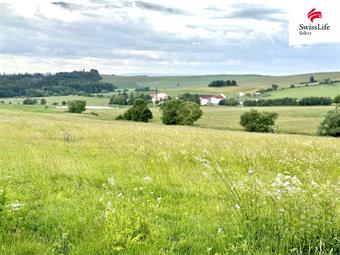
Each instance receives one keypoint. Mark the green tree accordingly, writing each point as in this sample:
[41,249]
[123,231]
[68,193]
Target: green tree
[138,112]
[312,79]
[336,100]
[43,101]
[275,87]
[77,106]
[177,112]
[330,126]
[29,101]
[255,121]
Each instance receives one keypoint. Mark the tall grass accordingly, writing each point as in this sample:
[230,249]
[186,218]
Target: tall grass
[70,185]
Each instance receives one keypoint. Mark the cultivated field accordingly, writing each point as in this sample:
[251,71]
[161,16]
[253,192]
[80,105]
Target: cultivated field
[73,185]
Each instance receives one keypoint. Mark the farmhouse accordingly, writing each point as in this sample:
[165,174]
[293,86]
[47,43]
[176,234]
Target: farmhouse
[212,100]
[159,97]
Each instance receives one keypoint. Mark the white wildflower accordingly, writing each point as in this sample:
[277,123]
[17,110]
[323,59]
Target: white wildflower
[159,199]
[237,206]
[120,195]
[219,230]
[250,171]
[147,179]
[16,206]
[111,181]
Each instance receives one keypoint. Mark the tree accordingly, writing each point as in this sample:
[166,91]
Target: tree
[29,101]
[43,101]
[312,79]
[336,100]
[254,121]
[275,87]
[138,112]
[177,112]
[330,126]
[77,106]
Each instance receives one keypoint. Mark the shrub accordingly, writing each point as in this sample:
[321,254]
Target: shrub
[330,126]
[229,102]
[77,106]
[221,83]
[254,121]
[336,100]
[177,112]
[43,101]
[138,112]
[30,101]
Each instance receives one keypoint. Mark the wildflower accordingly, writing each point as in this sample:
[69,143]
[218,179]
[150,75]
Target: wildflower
[16,206]
[159,199]
[120,195]
[237,206]
[250,171]
[147,179]
[111,181]
[219,230]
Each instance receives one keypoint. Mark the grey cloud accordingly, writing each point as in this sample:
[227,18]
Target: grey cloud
[69,6]
[159,8]
[257,12]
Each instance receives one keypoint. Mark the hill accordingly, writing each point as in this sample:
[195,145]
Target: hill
[199,84]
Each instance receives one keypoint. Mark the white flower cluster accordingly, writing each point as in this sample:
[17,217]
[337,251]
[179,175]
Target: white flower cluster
[16,206]
[286,185]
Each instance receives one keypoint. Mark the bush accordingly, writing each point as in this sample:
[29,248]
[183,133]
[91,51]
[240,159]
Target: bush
[229,102]
[330,126]
[254,121]
[43,101]
[177,112]
[30,101]
[138,112]
[77,106]
[336,100]
[221,83]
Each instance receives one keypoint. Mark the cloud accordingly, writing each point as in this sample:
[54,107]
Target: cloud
[159,8]
[68,6]
[258,13]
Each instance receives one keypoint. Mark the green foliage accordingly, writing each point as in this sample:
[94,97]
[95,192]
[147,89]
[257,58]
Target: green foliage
[127,99]
[312,79]
[38,85]
[43,101]
[138,112]
[29,101]
[330,126]
[287,101]
[177,112]
[221,83]
[275,87]
[255,121]
[191,97]
[336,99]
[230,102]
[76,106]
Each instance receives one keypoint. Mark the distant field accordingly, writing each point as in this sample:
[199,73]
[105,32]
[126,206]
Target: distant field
[293,120]
[175,85]
[319,90]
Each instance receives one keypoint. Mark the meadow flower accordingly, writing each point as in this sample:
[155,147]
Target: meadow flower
[237,206]
[111,181]
[250,171]
[147,179]
[159,199]
[120,195]
[16,206]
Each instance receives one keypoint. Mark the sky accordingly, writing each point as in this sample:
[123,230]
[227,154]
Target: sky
[155,37]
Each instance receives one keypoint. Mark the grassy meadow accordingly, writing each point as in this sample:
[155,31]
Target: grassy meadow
[174,85]
[74,185]
[303,91]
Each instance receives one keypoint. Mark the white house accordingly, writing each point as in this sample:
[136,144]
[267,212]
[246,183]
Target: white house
[159,97]
[212,100]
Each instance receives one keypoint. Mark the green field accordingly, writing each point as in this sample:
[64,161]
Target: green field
[292,119]
[175,85]
[304,91]
[74,184]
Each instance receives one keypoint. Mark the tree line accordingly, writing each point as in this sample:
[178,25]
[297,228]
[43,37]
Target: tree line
[221,83]
[59,84]
[287,101]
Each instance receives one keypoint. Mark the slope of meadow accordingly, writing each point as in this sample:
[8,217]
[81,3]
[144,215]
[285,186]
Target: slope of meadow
[70,185]
[175,85]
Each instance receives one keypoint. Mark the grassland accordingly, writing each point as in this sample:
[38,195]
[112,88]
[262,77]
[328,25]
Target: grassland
[303,91]
[292,120]
[175,85]
[73,185]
